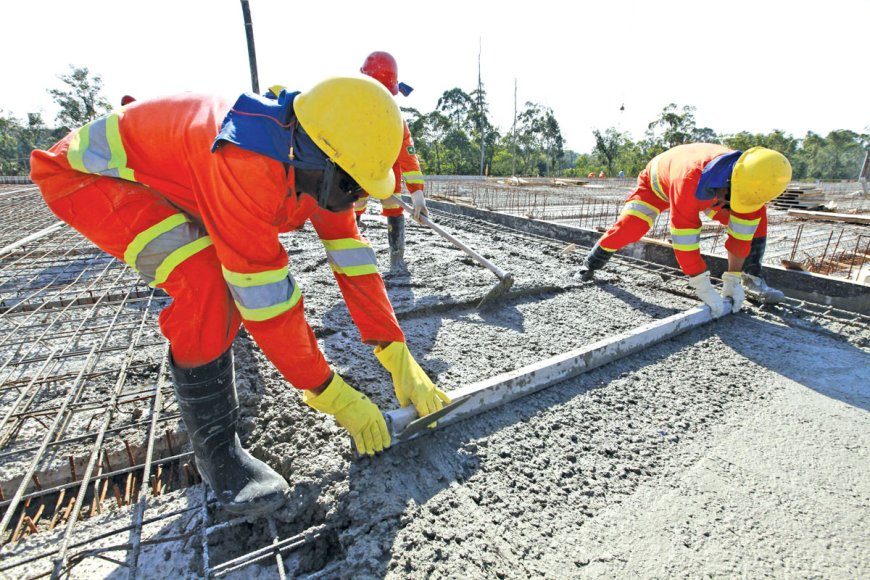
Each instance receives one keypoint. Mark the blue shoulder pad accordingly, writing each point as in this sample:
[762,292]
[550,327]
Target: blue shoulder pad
[260,124]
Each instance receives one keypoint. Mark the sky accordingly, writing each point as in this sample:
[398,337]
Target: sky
[744,65]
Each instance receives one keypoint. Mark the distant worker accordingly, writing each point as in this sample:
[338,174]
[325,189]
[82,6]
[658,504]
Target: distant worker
[591,174]
[621,173]
[192,191]
[730,187]
[602,175]
[382,67]
[126,100]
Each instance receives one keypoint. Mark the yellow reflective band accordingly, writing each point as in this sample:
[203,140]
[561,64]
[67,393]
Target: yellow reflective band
[261,314]
[691,235]
[343,244]
[144,238]
[741,237]
[255,278]
[77,146]
[638,214]
[413,177]
[743,222]
[356,270]
[742,229]
[177,257]
[654,180]
[334,246]
[116,146]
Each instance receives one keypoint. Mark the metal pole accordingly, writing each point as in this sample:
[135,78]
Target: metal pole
[252,53]
[480,107]
[514,135]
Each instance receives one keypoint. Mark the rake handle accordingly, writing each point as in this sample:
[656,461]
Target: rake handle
[429,223]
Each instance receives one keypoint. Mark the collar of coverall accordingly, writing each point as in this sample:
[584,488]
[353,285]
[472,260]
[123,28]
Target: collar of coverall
[717,173]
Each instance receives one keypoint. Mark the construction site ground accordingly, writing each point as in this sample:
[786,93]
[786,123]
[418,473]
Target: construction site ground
[741,448]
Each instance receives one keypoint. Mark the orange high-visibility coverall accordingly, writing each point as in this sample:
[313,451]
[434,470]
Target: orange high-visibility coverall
[669,182]
[407,167]
[144,186]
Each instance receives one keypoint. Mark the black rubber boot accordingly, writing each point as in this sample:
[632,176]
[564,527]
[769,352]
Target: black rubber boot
[396,238]
[595,260]
[210,410]
[753,283]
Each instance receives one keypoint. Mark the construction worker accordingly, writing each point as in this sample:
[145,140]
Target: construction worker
[382,67]
[729,186]
[192,191]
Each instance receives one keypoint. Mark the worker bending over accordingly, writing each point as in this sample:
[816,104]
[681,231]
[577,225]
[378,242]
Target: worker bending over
[730,187]
[192,192]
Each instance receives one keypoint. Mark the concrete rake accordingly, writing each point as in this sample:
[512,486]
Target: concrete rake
[506,279]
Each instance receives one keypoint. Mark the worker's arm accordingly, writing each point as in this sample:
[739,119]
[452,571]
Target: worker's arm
[355,267]
[245,193]
[409,166]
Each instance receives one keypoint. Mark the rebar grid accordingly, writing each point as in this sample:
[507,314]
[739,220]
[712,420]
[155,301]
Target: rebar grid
[23,213]
[76,329]
[88,426]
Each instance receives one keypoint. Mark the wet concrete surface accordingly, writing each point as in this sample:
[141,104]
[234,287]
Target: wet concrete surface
[739,448]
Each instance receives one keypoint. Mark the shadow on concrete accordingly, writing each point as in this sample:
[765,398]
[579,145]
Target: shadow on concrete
[831,367]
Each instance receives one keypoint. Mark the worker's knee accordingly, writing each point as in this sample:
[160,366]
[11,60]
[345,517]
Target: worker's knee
[202,320]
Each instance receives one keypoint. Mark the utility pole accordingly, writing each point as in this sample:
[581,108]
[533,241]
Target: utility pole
[480,107]
[252,54]
[514,135]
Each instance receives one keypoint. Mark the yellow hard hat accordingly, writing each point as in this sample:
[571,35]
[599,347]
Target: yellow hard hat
[759,175]
[356,122]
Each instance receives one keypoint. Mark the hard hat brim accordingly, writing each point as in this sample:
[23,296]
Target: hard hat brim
[382,188]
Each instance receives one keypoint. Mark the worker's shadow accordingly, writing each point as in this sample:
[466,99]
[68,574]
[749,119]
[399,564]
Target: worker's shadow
[824,364]
[636,301]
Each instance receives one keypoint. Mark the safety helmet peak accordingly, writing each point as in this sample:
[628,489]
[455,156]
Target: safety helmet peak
[358,125]
[382,67]
[759,176]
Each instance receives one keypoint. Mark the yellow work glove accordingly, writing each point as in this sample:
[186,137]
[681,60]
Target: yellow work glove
[353,411]
[409,380]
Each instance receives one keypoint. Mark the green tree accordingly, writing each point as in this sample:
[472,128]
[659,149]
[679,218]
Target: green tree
[608,146]
[676,127]
[80,102]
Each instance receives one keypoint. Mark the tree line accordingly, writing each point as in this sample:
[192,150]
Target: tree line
[458,138]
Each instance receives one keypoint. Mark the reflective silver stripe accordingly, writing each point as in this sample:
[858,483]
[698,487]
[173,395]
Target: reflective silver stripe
[351,257]
[157,250]
[96,158]
[344,259]
[685,239]
[264,296]
[741,229]
[654,179]
[643,208]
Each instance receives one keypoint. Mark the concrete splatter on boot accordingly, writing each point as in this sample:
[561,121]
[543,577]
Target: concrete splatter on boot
[595,260]
[210,410]
[754,285]
[396,239]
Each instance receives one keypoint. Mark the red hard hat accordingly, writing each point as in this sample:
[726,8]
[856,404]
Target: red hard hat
[126,100]
[382,67]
